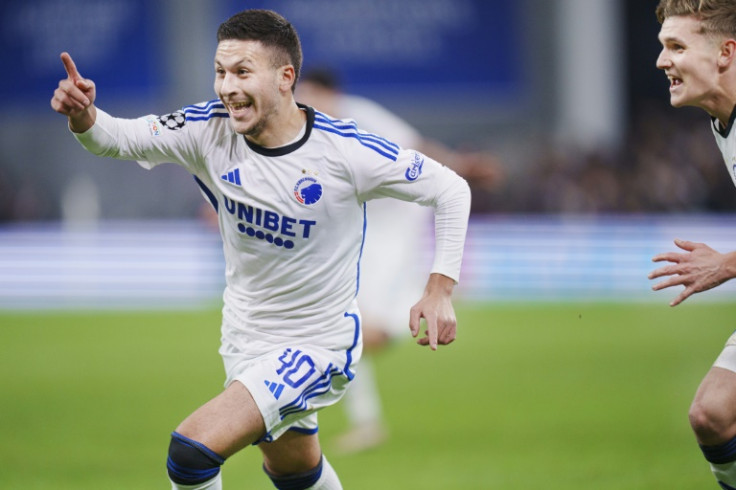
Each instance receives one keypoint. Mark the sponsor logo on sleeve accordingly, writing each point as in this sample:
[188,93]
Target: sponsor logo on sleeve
[415,168]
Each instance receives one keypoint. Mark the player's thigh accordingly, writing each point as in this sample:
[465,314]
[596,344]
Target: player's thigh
[717,391]
[227,423]
[293,452]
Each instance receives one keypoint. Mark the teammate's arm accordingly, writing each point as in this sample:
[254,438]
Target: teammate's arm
[699,269]
[75,97]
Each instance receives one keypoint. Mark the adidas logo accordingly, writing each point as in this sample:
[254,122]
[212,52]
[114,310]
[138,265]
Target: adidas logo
[274,388]
[233,176]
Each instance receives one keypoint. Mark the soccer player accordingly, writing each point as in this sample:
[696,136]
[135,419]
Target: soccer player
[699,57]
[289,185]
[391,279]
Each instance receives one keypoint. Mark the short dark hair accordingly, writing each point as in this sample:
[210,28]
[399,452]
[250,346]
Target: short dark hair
[270,29]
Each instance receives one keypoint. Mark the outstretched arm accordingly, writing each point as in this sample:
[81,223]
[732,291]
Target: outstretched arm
[699,269]
[75,97]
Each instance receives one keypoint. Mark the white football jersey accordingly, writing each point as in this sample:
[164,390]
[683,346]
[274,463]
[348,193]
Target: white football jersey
[292,218]
[726,140]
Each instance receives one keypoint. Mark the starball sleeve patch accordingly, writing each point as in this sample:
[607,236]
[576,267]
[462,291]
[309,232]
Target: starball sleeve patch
[174,121]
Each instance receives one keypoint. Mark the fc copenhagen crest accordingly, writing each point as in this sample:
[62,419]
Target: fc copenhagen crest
[308,191]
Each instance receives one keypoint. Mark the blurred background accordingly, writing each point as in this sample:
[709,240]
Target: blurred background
[600,172]
[566,359]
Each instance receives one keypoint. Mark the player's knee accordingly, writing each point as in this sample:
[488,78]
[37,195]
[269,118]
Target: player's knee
[191,462]
[709,423]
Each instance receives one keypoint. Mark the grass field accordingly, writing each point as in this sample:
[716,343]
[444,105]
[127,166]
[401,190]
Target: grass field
[530,396]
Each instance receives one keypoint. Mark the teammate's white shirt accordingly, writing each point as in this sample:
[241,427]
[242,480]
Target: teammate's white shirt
[397,232]
[292,218]
[726,140]
[374,118]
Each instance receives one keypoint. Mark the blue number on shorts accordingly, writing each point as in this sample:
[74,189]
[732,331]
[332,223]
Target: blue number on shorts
[295,363]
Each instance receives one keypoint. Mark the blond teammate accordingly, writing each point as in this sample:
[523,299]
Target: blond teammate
[699,57]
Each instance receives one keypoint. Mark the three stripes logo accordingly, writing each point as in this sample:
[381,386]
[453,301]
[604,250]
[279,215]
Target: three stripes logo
[274,388]
[232,176]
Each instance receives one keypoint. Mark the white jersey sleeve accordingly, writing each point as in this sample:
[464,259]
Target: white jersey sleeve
[152,140]
[418,178]
[408,175]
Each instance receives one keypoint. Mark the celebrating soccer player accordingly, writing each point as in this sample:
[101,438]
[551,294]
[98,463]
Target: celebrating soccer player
[290,187]
[699,57]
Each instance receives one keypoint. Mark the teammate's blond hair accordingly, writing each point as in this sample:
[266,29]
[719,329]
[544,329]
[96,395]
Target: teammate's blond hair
[717,17]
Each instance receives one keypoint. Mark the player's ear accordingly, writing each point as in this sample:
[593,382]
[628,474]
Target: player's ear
[287,78]
[727,54]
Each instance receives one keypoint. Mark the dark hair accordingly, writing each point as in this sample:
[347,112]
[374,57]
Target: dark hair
[717,17]
[270,29]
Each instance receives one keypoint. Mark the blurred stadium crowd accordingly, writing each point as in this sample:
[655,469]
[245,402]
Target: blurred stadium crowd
[663,161]
[665,164]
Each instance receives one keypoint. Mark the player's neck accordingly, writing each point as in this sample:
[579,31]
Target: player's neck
[720,104]
[723,112]
[283,128]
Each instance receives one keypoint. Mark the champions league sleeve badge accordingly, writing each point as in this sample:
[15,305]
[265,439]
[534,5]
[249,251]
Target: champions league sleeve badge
[175,120]
[308,191]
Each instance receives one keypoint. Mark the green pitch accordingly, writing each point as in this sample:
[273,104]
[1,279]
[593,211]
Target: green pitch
[530,396]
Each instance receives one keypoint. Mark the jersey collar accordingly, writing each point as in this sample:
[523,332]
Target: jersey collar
[284,150]
[724,131]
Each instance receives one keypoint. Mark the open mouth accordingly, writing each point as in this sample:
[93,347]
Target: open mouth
[675,82]
[236,108]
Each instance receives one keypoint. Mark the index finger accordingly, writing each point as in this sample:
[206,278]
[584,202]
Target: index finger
[70,67]
[668,256]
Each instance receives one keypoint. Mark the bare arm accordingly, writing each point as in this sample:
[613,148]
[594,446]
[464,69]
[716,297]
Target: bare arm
[699,269]
[75,97]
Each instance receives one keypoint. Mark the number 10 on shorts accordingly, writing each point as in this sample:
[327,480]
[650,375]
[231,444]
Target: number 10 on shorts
[296,368]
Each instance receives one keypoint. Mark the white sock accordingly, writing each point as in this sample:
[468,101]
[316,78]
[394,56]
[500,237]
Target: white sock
[328,480]
[725,473]
[722,459]
[213,484]
[362,400]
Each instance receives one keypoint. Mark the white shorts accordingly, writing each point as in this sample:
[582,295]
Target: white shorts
[727,358]
[291,384]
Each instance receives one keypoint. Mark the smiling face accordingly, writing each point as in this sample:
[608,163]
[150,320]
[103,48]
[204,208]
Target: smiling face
[253,89]
[690,59]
